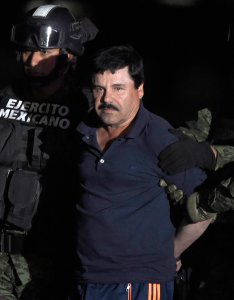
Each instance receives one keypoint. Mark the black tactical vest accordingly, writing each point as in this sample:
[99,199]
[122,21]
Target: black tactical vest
[33,133]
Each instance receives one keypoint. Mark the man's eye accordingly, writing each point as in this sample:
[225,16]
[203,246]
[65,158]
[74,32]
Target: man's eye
[97,89]
[118,88]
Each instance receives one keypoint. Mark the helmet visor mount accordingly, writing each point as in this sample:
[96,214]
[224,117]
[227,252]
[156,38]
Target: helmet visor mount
[36,37]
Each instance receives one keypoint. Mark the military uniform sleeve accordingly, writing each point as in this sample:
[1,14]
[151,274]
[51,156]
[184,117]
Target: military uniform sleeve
[225,155]
[199,129]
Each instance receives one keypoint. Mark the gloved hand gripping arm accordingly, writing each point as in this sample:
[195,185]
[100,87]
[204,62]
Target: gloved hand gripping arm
[207,203]
[197,205]
[185,154]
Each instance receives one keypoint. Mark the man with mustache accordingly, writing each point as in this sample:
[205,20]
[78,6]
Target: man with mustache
[124,233]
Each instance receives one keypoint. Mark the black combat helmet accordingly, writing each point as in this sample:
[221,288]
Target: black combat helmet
[52,26]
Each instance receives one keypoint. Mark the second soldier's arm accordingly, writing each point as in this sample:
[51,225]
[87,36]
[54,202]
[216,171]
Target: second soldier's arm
[192,149]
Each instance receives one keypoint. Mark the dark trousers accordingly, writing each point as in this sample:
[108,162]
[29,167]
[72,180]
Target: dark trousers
[124,291]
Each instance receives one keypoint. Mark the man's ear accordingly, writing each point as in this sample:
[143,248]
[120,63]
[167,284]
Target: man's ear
[141,91]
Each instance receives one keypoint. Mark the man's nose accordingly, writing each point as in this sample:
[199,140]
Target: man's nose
[35,58]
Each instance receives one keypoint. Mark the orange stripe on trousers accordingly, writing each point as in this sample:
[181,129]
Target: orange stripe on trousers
[129,291]
[154,291]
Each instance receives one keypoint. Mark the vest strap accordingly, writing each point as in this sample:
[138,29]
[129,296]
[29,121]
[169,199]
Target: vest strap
[11,241]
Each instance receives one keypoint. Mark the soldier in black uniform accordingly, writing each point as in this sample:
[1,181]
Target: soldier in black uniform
[37,115]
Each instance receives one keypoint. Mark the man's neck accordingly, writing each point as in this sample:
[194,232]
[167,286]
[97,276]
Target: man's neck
[107,134]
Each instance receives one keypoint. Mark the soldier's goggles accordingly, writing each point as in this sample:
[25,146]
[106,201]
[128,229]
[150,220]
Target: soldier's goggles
[41,36]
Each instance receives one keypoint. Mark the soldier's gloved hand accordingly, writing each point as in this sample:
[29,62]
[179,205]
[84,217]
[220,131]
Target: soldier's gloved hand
[185,154]
[174,194]
[198,208]
[222,198]
[207,204]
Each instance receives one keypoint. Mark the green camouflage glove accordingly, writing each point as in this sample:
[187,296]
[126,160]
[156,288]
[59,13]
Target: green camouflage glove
[206,204]
[197,210]
[223,196]
[175,196]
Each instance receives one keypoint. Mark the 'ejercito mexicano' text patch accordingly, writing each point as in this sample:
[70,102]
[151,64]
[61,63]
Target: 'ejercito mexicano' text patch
[42,114]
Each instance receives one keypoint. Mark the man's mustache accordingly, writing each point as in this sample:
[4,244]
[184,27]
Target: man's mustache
[108,106]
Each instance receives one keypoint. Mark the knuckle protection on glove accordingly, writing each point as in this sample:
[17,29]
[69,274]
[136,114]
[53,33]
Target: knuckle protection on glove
[179,195]
[171,188]
[162,183]
[174,194]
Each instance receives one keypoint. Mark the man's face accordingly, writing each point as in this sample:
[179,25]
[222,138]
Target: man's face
[116,99]
[40,63]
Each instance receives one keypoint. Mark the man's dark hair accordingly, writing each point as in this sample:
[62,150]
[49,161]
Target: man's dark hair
[118,57]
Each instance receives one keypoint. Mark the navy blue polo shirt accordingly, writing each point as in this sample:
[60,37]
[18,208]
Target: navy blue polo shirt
[124,232]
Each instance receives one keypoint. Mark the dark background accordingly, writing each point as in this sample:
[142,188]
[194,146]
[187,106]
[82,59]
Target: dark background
[184,43]
[187,46]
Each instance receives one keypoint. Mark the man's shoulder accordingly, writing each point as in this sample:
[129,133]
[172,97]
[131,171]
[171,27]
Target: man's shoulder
[157,123]
[156,132]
